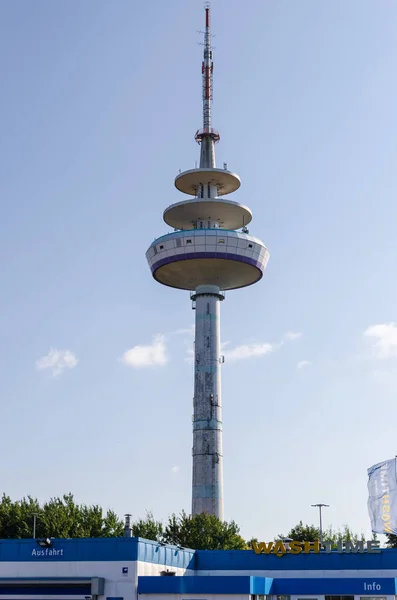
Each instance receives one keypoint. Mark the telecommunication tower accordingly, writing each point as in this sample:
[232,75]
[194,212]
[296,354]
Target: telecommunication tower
[207,255]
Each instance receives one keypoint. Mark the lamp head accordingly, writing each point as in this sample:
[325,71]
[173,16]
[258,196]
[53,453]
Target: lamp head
[44,542]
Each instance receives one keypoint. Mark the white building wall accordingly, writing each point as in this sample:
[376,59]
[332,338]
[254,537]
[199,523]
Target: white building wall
[305,596]
[322,597]
[194,597]
[374,574]
[32,597]
[149,569]
[111,570]
[117,584]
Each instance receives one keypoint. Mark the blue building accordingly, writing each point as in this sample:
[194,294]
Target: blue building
[128,568]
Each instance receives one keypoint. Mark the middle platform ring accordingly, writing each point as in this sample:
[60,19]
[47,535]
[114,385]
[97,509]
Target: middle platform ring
[228,214]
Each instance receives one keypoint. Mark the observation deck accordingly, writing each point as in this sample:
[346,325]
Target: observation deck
[225,258]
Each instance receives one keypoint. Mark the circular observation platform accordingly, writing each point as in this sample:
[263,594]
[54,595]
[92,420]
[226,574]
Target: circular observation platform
[226,213]
[227,259]
[190,182]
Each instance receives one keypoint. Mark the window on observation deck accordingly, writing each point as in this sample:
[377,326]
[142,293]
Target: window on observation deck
[188,241]
[221,241]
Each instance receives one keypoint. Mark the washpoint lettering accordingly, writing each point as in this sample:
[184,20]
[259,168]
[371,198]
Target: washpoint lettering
[47,552]
[280,548]
[384,484]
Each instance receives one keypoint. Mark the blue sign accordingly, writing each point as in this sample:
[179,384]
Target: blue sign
[382,496]
[335,586]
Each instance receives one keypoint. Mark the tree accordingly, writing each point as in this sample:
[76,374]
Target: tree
[303,533]
[60,517]
[148,528]
[64,518]
[199,532]
[203,532]
[344,534]
[311,533]
[391,540]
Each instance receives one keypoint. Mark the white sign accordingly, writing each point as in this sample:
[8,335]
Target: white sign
[372,587]
[47,552]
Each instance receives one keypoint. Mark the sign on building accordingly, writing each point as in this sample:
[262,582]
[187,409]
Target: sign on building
[382,496]
[280,548]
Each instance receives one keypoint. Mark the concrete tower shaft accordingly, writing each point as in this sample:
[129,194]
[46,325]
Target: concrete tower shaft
[206,255]
[207,482]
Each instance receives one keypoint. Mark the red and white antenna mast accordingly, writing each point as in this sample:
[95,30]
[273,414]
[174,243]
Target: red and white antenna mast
[207,136]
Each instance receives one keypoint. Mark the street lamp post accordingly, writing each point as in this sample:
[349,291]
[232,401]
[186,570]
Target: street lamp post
[286,541]
[320,506]
[34,525]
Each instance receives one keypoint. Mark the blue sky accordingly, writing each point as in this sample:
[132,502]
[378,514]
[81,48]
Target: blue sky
[100,101]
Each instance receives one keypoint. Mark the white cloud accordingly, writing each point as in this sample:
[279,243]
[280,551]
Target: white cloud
[290,336]
[385,378]
[249,351]
[385,339]
[189,358]
[184,331]
[254,350]
[175,469]
[152,355]
[239,352]
[302,364]
[155,354]
[57,361]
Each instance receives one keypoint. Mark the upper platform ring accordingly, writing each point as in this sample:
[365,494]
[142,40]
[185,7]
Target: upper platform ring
[189,182]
